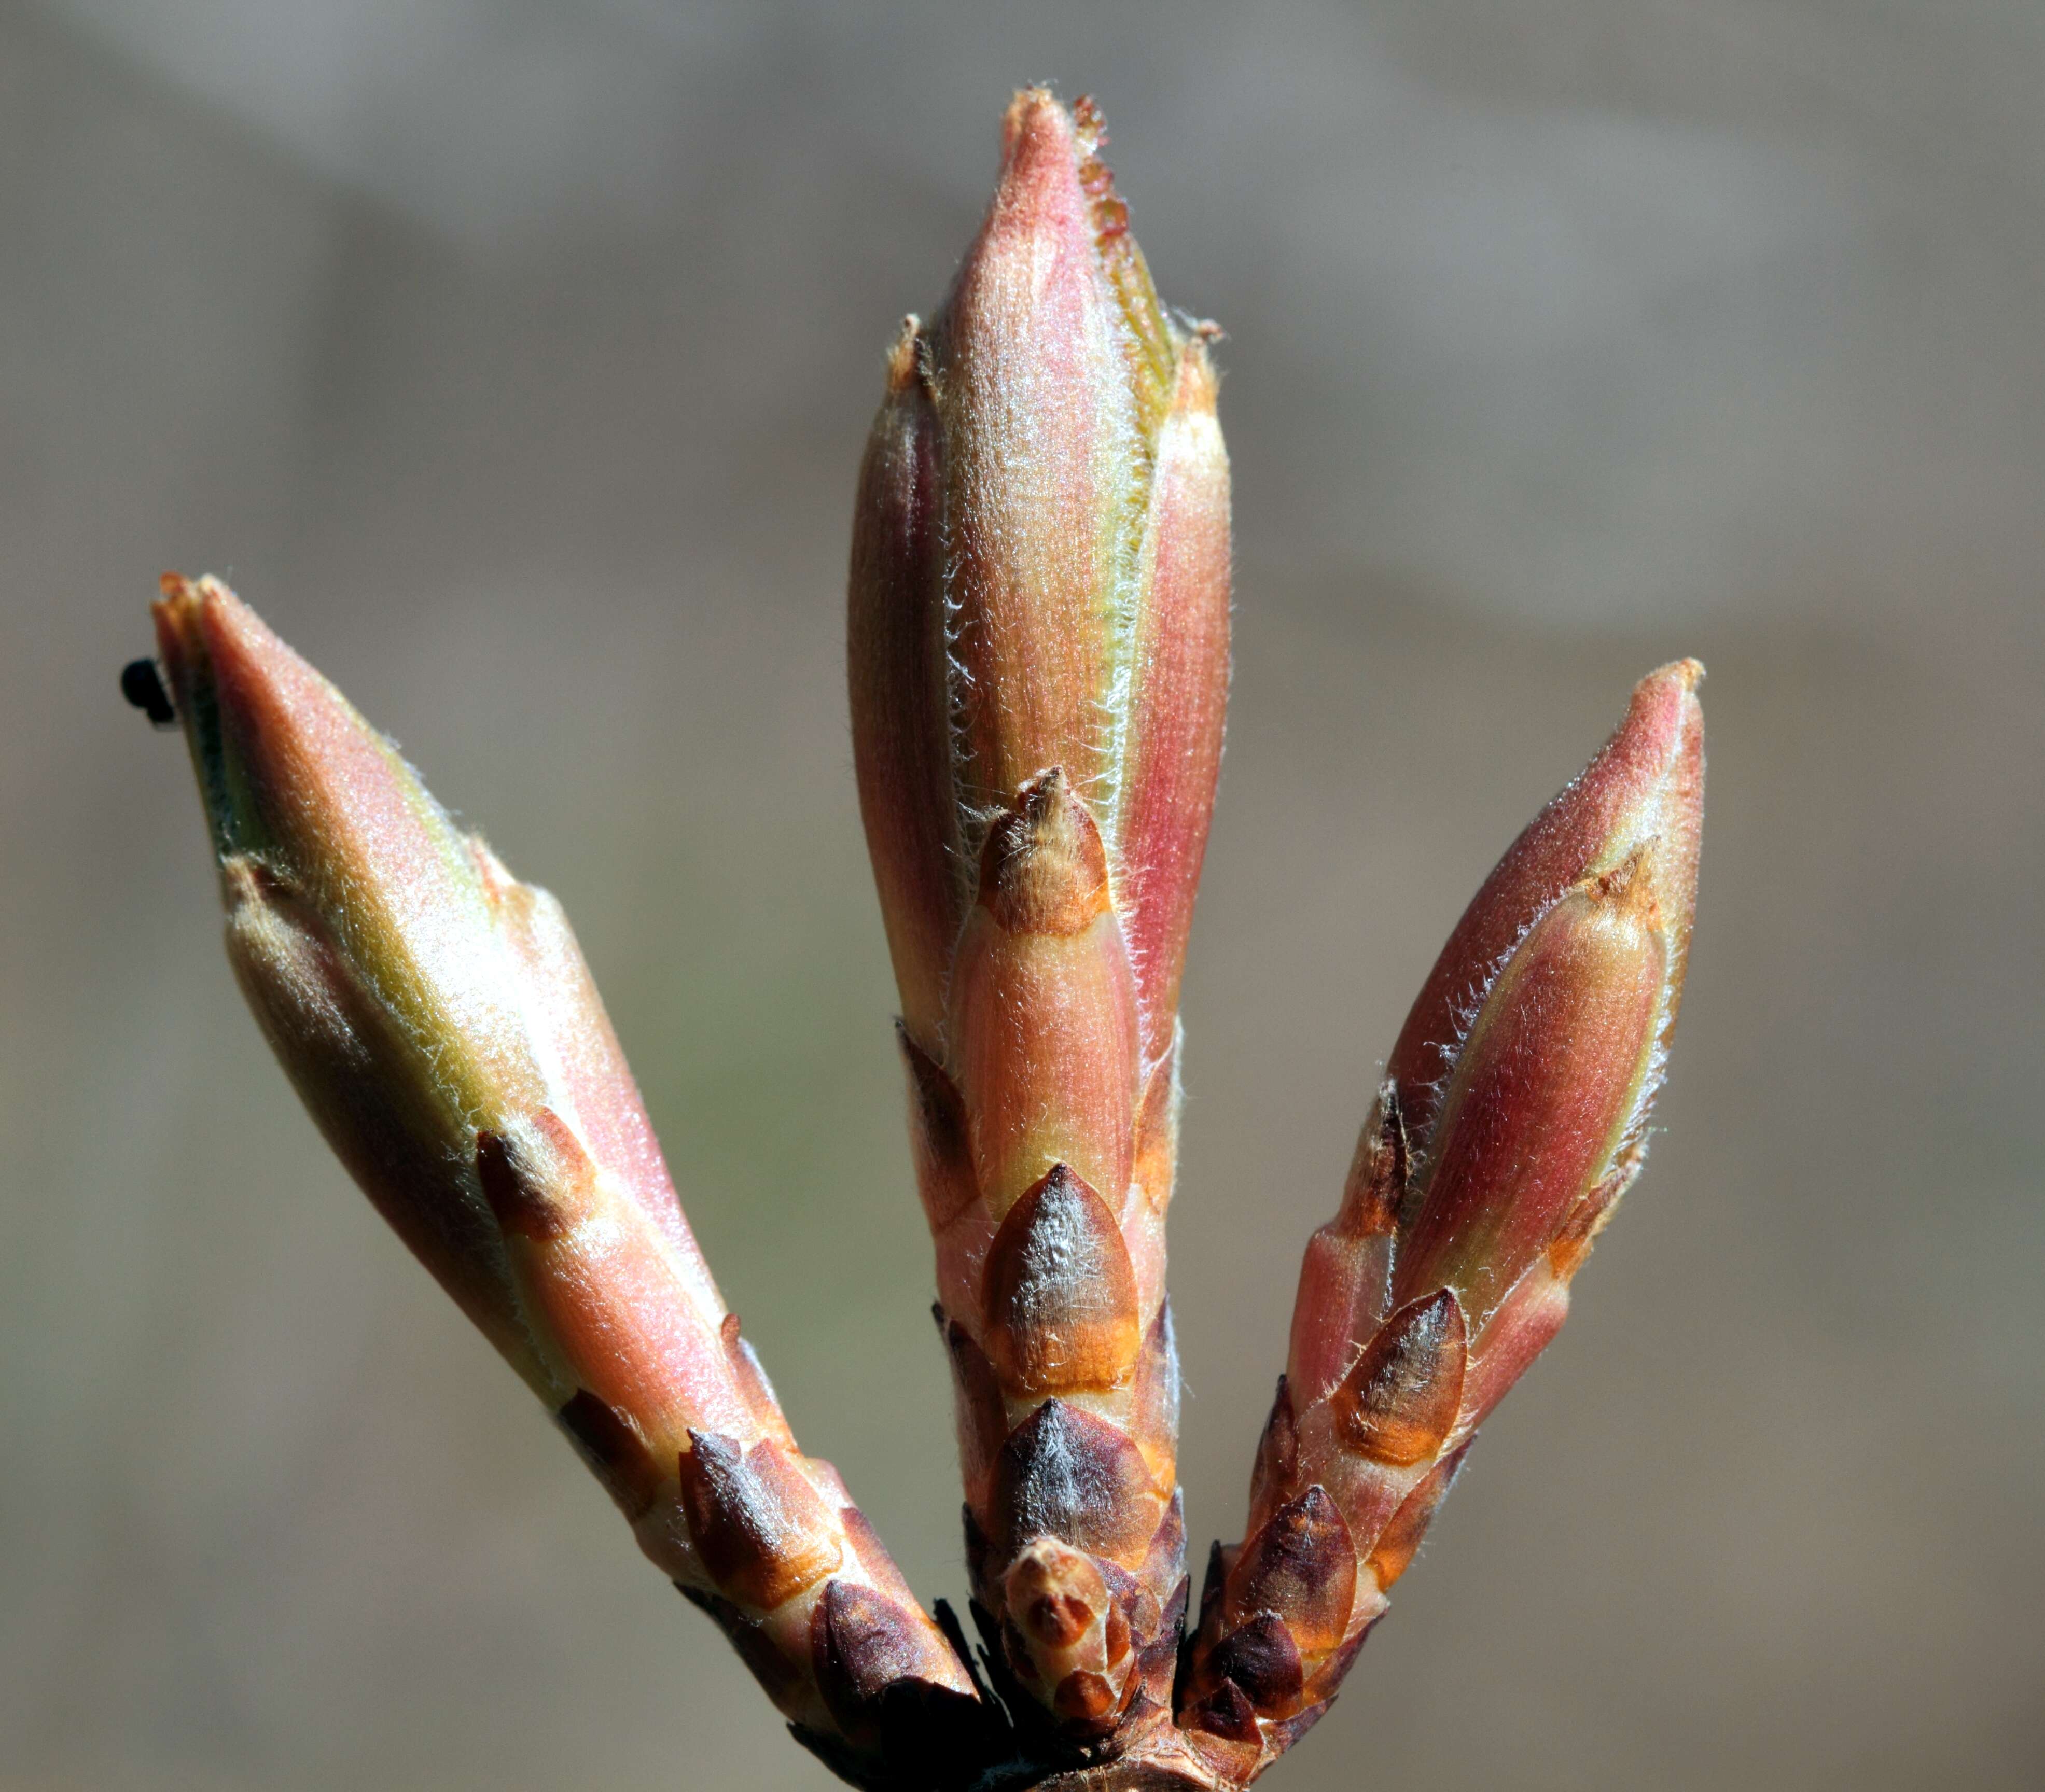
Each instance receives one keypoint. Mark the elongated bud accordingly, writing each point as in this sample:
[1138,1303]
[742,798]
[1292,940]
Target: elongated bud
[1038,656]
[1512,1115]
[438,1018]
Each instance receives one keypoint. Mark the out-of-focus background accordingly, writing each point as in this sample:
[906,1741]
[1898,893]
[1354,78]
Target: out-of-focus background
[514,359]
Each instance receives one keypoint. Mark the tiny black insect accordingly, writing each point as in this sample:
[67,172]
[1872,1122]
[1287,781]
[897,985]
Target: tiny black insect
[143,686]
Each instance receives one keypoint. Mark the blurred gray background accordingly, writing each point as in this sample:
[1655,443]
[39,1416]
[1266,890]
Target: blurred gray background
[514,359]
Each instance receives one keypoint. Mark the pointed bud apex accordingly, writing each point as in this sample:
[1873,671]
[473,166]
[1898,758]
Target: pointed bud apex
[1260,1657]
[295,781]
[1301,1565]
[1399,1401]
[1274,1474]
[1226,1713]
[891,1683]
[1069,1475]
[1060,1299]
[764,1534]
[1042,869]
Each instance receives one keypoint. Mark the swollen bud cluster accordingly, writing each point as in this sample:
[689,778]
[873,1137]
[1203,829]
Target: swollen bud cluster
[1037,649]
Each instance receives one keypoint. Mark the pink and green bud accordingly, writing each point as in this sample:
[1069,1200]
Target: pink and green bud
[1039,658]
[438,1020]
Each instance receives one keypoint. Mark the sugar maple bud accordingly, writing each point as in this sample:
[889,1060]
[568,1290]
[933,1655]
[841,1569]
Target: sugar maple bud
[1512,1115]
[1038,656]
[1038,661]
[437,1017]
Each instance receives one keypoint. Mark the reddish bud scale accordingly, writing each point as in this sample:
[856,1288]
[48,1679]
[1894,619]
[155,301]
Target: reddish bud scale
[1043,1021]
[901,704]
[1180,695]
[438,1020]
[1054,428]
[1512,1118]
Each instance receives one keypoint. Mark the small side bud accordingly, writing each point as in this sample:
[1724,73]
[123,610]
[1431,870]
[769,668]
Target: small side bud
[1043,869]
[1060,1299]
[1400,1402]
[1301,1565]
[891,1684]
[763,1533]
[1060,1607]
